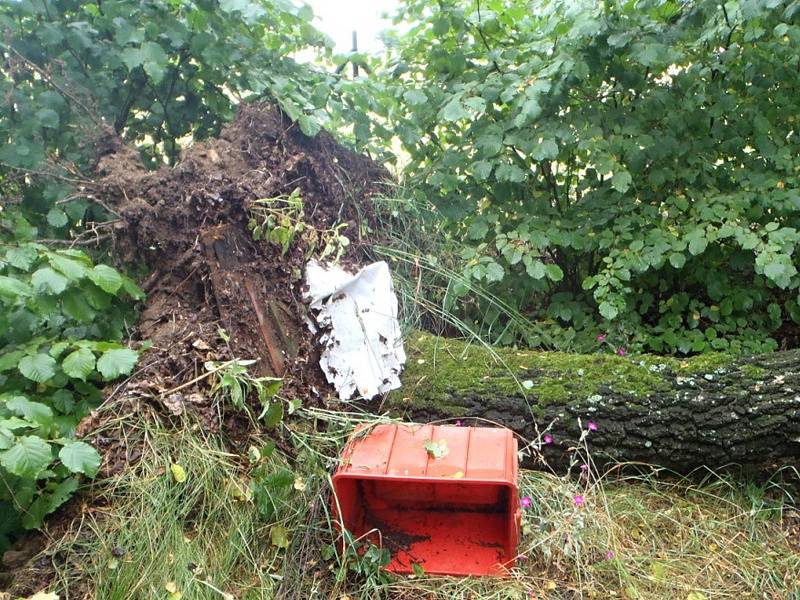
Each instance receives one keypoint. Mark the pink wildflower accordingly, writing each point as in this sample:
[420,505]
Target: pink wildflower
[578,500]
[584,467]
[609,555]
[592,426]
[547,438]
[522,557]
[459,423]
[525,501]
[621,351]
[601,338]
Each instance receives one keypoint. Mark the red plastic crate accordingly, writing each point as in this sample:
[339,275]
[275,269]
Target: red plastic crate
[456,515]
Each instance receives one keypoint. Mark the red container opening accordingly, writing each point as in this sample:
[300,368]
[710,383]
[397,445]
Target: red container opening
[457,514]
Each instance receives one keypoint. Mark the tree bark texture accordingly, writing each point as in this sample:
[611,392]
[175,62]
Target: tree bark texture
[711,411]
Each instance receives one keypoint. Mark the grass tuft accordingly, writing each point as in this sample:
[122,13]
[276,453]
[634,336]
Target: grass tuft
[148,533]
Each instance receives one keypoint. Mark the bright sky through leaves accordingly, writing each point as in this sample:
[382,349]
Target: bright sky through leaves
[338,19]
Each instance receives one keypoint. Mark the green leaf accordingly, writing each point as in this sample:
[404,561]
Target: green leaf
[774,270]
[649,54]
[178,473]
[437,449]
[10,360]
[38,367]
[494,272]
[48,502]
[530,111]
[535,269]
[478,230]
[476,103]
[677,260]
[273,413]
[47,281]
[126,33]
[608,310]
[132,57]
[106,278]
[482,170]
[546,149]
[22,257]
[150,56]
[454,110]
[7,437]
[279,536]
[28,457]
[73,269]
[415,97]
[697,244]
[76,307]
[554,272]
[47,118]
[63,400]
[80,457]
[130,287]
[490,143]
[507,172]
[58,348]
[618,40]
[39,413]
[57,217]
[12,288]
[79,364]
[114,363]
[154,61]
[15,424]
[251,11]
[621,181]
[312,126]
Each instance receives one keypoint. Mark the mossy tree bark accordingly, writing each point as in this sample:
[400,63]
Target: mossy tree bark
[711,410]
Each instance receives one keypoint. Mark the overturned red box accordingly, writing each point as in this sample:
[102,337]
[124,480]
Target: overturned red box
[438,496]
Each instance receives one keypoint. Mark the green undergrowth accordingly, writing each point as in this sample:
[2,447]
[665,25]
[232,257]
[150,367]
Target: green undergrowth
[149,533]
[161,536]
[439,368]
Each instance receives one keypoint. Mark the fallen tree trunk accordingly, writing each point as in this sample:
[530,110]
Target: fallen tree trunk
[711,410]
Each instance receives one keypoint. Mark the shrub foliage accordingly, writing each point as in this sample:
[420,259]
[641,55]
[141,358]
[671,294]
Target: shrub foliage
[58,311]
[616,166]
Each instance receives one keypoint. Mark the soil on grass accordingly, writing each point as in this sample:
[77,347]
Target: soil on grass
[213,293]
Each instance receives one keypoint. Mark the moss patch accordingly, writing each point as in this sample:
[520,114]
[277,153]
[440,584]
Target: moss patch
[441,370]
[753,372]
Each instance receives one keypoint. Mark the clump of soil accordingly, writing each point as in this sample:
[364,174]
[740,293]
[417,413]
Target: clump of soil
[214,293]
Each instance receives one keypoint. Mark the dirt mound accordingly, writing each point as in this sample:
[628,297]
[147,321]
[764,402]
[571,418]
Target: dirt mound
[213,292]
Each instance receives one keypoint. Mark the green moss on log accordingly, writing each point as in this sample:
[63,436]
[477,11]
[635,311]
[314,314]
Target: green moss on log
[712,410]
[440,370]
